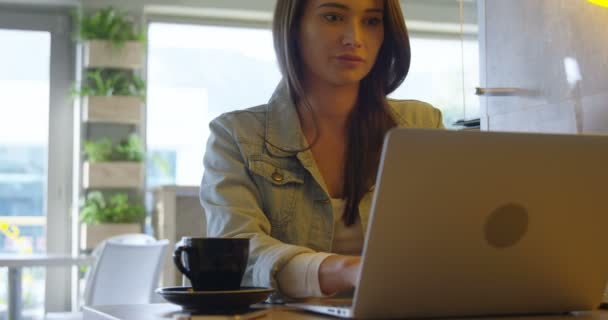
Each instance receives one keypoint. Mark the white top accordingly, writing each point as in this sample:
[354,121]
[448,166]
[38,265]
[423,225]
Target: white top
[300,276]
[347,240]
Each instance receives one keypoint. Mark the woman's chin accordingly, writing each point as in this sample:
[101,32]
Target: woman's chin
[347,79]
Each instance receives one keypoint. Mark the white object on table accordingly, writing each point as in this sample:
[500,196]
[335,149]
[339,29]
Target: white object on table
[16,262]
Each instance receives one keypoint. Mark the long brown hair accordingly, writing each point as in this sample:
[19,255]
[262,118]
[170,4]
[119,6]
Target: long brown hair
[371,118]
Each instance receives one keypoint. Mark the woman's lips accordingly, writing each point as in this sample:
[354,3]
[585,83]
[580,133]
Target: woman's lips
[350,58]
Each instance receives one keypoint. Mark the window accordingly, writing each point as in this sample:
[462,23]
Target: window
[196,73]
[24,126]
[436,77]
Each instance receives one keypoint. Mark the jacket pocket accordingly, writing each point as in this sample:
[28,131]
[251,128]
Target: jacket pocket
[274,174]
[280,189]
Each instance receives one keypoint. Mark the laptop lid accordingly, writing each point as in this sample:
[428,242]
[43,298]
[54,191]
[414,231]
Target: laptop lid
[468,223]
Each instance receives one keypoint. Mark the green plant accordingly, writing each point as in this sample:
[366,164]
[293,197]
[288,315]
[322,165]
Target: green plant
[107,24]
[102,150]
[130,149]
[111,82]
[98,151]
[117,209]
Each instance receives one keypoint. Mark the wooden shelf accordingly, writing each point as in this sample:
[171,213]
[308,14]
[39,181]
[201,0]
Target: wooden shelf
[113,175]
[102,54]
[113,109]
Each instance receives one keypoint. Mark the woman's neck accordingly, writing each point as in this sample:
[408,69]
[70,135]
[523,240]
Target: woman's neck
[332,106]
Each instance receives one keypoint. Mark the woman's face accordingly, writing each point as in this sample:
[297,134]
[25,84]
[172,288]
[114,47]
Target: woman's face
[339,40]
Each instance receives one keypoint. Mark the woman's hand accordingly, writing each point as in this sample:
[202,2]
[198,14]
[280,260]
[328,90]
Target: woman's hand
[339,273]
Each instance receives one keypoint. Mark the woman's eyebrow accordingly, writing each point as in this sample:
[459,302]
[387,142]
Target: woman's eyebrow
[333,5]
[345,7]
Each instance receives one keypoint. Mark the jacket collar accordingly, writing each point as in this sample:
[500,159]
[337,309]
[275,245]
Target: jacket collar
[283,130]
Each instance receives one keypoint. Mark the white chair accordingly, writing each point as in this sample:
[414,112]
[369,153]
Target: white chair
[126,271]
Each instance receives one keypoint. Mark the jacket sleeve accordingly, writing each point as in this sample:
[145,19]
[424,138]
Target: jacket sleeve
[233,207]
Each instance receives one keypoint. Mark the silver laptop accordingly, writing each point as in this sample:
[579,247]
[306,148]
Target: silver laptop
[475,224]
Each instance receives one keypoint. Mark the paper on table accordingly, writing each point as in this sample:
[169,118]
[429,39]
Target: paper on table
[246,316]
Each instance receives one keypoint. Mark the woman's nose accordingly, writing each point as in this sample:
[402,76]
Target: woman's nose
[352,36]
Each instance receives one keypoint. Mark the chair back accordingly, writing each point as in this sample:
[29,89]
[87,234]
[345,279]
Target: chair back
[126,271]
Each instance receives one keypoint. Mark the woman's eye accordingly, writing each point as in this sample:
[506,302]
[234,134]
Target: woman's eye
[374,21]
[332,17]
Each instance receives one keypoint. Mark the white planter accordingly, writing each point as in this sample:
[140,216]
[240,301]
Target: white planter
[113,175]
[92,235]
[102,54]
[114,109]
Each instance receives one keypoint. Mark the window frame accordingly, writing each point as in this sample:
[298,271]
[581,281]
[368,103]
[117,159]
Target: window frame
[59,193]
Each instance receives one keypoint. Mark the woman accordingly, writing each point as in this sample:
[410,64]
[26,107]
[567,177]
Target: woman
[296,175]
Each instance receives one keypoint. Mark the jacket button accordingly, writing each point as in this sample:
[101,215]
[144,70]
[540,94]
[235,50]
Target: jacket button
[276,176]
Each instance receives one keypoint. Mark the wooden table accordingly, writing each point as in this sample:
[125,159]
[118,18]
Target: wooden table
[165,311]
[16,262]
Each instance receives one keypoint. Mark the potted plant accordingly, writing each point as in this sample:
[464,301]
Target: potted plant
[103,218]
[111,40]
[112,96]
[113,166]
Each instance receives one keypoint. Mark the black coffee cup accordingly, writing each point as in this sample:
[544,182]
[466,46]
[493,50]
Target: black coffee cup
[212,264]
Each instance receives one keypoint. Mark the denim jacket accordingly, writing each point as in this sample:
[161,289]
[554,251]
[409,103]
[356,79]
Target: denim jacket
[252,188]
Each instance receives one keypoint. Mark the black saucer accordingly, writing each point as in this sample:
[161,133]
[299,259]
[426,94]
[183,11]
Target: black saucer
[214,301]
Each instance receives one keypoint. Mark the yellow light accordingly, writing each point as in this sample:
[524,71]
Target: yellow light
[603,3]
